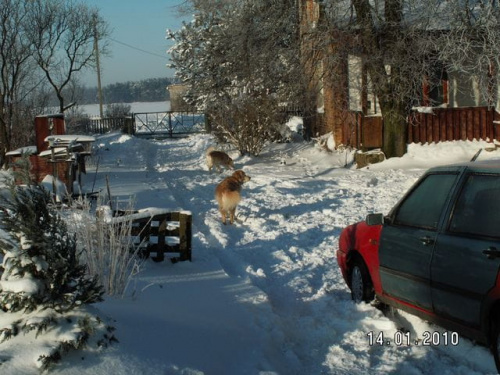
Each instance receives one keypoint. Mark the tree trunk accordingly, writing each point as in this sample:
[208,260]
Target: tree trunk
[386,83]
[61,101]
[395,131]
[4,137]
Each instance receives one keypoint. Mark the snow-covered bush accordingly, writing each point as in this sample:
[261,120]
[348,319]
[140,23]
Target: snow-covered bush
[248,122]
[293,129]
[42,284]
[107,247]
[118,110]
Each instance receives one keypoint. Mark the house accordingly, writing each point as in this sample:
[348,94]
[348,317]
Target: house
[452,108]
[177,102]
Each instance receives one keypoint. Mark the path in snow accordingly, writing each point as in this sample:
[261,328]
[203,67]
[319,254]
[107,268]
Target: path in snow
[284,249]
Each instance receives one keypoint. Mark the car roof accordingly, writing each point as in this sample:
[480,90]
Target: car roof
[484,166]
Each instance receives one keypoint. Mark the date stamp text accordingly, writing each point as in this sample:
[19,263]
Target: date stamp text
[404,338]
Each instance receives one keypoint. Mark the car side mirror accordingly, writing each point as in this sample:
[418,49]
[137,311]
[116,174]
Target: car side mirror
[374,219]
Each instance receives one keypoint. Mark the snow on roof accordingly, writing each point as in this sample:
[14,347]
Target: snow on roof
[52,115]
[56,150]
[30,150]
[63,138]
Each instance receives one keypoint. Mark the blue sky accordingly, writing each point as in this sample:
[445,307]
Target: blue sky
[138,45]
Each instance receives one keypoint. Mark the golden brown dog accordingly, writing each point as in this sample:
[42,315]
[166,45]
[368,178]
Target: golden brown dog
[228,194]
[216,159]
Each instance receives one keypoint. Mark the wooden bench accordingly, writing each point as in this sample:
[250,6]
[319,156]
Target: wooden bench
[159,232]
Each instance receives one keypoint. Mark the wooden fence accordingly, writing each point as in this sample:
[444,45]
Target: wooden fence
[157,124]
[359,131]
[450,124]
[443,124]
[157,234]
[89,125]
[105,125]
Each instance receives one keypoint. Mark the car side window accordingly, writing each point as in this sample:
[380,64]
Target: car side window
[422,208]
[477,210]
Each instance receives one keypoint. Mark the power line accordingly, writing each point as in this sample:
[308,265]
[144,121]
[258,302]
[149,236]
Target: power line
[138,49]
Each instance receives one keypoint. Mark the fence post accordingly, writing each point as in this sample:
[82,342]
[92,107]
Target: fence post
[208,124]
[170,129]
[185,221]
[128,127]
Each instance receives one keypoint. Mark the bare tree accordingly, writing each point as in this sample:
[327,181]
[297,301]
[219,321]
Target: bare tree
[17,78]
[62,34]
[471,44]
[40,41]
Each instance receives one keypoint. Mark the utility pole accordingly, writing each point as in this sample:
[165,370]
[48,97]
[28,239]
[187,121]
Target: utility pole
[98,67]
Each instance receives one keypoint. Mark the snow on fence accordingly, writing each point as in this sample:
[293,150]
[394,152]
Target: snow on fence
[159,232]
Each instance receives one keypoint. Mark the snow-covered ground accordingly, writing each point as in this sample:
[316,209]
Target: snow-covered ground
[135,107]
[264,296]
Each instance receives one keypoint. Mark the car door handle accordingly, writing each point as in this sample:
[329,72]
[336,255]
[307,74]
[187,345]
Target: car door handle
[492,252]
[426,240]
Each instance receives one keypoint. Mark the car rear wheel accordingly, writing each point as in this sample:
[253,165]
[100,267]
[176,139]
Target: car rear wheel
[361,284]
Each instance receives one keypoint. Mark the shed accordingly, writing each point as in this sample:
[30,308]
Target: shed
[55,154]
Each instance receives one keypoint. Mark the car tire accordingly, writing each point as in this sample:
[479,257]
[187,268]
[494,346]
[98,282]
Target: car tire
[495,340]
[361,284]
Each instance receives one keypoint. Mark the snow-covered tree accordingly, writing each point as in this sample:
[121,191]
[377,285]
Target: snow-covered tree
[42,283]
[236,57]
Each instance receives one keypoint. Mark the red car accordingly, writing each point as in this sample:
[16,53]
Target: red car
[436,254]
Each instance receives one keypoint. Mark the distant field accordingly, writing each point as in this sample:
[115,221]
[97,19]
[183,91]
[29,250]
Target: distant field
[137,107]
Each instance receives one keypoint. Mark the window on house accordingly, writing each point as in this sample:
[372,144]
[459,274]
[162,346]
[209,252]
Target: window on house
[435,88]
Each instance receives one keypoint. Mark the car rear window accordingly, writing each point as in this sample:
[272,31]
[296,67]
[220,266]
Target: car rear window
[477,210]
[423,206]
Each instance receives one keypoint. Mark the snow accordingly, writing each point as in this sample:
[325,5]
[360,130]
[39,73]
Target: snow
[30,150]
[56,186]
[135,107]
[263,296]
[28,286]
[69,138]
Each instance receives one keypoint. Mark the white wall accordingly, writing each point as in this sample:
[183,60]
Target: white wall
[354,64]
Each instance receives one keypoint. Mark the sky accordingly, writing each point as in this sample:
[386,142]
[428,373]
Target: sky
[138,45]
[264,296]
